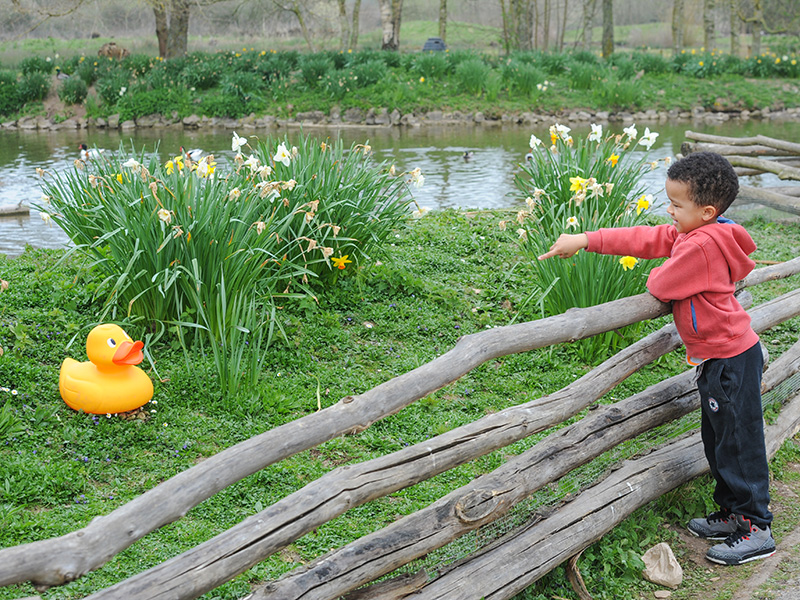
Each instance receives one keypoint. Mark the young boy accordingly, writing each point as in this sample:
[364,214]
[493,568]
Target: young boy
[707,254]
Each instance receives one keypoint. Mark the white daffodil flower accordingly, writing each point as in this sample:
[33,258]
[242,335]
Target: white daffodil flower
[282,155]
[237,142]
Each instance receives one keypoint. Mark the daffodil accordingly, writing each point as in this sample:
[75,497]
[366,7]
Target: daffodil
[132,164]
[643,203]
[577,184]
[649,138]
[282,155]
[340,262]
[631,132]
[234,194]
[252,162]
[628,262]
[535,142]
[46,218]
[237,142]
[205,168]
[260,227]
[613,159]
[420,212]
[417,178]
[597,133]
[572,222]
[164,215]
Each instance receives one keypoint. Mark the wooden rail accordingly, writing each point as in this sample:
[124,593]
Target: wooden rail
[59,560]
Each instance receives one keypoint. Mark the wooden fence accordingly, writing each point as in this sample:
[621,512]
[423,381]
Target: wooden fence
[499,570]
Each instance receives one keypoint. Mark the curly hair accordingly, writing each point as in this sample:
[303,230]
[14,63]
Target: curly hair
[711,179]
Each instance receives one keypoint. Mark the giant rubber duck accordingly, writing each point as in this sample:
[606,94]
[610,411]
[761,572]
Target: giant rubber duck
[110,381]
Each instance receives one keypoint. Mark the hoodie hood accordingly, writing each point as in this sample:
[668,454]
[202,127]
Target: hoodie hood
[734,243]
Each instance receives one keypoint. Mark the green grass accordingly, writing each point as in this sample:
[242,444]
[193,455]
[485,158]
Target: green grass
[448,274]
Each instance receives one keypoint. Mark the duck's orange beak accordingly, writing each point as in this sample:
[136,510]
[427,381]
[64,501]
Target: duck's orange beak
[128,353]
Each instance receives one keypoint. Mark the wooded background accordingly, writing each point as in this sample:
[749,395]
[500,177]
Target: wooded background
[522,24]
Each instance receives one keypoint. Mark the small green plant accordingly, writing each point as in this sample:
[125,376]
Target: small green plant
[582,76]
[10,424]
[618,94]
[10,101]
[112,85]
[35,64]
[472,75]
[313,68]
[73,91]
[33,87]
[431,65]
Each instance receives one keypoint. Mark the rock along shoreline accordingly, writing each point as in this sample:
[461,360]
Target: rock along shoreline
[382,117]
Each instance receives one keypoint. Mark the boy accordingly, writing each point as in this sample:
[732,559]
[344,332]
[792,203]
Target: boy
[707,254]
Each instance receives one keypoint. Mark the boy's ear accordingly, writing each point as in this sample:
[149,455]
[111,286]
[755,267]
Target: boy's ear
[709,213]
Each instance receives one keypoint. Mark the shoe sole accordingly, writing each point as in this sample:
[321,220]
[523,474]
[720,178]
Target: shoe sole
[707,537]
[722,561]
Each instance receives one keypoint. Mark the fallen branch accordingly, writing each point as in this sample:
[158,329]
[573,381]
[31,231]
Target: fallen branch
[762,140]
[770,199]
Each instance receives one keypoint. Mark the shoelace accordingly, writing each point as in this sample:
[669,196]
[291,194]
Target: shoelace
[736,537]
[718,516]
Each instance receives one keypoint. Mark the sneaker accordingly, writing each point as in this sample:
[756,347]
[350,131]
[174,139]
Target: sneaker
[748,542]
[716,526]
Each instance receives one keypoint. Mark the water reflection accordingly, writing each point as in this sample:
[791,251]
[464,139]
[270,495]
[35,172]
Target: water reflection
[484,181]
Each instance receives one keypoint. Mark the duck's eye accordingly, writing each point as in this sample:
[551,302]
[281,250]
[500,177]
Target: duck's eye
[111,343]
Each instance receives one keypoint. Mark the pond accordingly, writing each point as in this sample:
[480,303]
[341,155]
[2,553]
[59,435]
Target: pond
[485,181]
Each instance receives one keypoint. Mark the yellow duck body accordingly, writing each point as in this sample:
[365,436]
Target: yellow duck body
[109,382]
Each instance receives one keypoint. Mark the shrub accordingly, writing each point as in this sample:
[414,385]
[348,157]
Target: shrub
[208,256]
[139,101]
[159,78]
[33,87]
[618,94]
[472,75]
[112,85]
[203,75]
[35,64]
[522,77]
[9,98]
[586,57]
[242,85]
[337,84]
[137,64]
[216,104]
[369,72]
[581,186]
[554,63]
[87,70]
[430,65]
[313,67]
[582,76]
[651,63]
[73,91]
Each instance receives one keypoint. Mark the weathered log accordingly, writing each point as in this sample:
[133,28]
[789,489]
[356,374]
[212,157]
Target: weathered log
[592,514]
[726,149]
[403,585]
[14,210]
[770,199]
[383,551]
[781,169]
[59,560]
[761,140]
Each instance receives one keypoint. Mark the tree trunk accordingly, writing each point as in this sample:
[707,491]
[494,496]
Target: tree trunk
[178,38]
[506,32]
[735,25]
[589,7]
[563,28]
[608,28]
[443,20]
[390,24]
[677,26]
[546,23]
[354,30]
[708,25]
[162,29]
[344,26]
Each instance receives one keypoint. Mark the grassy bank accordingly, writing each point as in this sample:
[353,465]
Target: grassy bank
[282,81]
[449,274]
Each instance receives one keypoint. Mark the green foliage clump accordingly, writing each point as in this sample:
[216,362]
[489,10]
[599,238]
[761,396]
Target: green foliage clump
[583,76]
[73,91]
[33,87]
[313,67]
[431,65]
[369,72]
[35,64]
[472,75]
[112,85]
[617,94]
[140,101]
[582,185]
[10,102]
[523,77]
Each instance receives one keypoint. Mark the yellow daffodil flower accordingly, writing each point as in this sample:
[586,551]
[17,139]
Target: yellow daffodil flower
[628,262]
[613,159]
[577,184]
[340,262]
[643,203]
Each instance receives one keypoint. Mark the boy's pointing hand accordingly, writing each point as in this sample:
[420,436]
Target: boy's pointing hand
[566,245]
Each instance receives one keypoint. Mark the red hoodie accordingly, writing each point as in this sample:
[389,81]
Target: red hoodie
[698,278]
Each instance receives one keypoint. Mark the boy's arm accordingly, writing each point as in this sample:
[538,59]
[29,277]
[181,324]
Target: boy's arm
[566,245]
[642,241]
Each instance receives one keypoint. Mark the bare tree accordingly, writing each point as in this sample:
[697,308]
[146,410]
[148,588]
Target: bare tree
[708,25]
[172,27]
[589,7]
[50,10]
[562,30]
[354,30]
[517,24]
[677,26]
[733,5]
[443,20]
[390,24]
[546,31]
[344,25]
[295,7]
[608,28]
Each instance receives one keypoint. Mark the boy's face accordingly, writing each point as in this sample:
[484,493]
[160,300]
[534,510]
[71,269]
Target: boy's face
[686,215]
